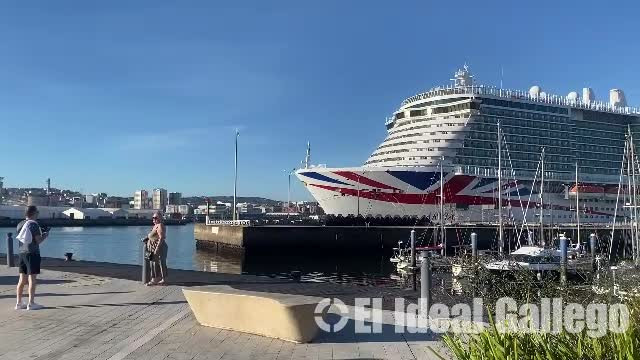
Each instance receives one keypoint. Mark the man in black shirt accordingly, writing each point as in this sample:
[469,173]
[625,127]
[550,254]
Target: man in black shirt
[29,263]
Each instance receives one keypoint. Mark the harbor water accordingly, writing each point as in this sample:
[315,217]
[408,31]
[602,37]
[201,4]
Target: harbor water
[122,245]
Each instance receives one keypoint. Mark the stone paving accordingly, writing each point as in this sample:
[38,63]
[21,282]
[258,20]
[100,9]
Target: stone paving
[98,317]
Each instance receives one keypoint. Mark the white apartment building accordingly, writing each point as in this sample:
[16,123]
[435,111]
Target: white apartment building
[159,199]
[140,199]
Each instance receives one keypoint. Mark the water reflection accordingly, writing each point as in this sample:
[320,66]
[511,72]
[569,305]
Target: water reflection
[373,270]
[228,263]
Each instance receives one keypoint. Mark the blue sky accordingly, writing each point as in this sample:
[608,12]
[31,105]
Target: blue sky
[120,95]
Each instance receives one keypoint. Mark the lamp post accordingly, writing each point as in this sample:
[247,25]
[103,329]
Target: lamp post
[289,172]
[235,179]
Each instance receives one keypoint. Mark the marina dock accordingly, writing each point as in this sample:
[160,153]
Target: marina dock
[101,311]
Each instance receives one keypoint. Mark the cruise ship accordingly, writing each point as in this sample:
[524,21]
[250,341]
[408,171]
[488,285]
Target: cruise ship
[445,141]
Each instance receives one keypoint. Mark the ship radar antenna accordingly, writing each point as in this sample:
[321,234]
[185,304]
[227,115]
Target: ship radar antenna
[463,77]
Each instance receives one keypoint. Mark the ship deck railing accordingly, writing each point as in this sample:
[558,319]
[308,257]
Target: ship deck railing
[523,95]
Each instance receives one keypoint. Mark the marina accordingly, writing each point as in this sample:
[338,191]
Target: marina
[360,255]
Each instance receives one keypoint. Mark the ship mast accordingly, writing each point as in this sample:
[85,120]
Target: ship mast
[500,238]
[542,198]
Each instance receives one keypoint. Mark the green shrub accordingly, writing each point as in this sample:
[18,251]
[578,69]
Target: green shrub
[492,344]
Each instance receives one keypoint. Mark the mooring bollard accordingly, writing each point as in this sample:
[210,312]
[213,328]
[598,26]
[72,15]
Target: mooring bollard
[425,283]
[563,260]
[10,250]
[592,246]
[145,265]
[413,259]
[474,247]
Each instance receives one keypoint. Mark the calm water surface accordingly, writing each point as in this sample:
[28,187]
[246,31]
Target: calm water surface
[121,244]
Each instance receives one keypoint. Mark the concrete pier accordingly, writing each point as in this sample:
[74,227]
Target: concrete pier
[360,239]
[299,238]
[95,311]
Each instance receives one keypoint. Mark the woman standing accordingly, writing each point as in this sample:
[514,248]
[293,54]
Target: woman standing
[157,245]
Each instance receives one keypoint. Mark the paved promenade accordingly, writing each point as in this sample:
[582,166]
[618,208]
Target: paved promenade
[89,316]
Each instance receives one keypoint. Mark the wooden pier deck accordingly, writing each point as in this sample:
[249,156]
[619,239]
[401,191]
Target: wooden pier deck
[101,311]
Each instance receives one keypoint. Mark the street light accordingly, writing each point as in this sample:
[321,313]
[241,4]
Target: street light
[289,172]
[235,178]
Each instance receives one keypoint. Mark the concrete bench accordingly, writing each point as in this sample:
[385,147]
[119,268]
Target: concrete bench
[281,316]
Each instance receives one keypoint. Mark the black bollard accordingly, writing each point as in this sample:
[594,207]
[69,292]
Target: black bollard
[145,264]
[10,250]
[425,283]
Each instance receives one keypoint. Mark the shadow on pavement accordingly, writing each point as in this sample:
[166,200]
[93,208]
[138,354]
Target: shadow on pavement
[13,280]
[388,334]
[117,304]
[71,294]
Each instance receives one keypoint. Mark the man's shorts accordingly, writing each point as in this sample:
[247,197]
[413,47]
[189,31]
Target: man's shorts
[29,263]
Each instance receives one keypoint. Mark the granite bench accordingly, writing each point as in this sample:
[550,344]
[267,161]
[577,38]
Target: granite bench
[282,316]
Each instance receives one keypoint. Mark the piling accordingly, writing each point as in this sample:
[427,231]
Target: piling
[474,247]
[563,260]
[425,283]
[592,248]
[10,250]
[413,259]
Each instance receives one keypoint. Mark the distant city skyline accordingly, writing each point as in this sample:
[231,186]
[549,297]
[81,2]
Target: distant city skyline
[117,97]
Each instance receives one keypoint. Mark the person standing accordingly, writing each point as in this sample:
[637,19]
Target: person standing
[30,236]
[158,247]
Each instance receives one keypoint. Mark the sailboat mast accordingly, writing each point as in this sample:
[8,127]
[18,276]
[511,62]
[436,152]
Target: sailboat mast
[577,204]
[443,236]
[542,243]
[630,205]
[634,201]
[500,236]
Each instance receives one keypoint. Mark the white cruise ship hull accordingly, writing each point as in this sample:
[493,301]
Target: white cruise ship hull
[415,192]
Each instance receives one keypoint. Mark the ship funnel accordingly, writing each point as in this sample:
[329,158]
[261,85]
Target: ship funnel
[535,91]
[587,95]
[616,98]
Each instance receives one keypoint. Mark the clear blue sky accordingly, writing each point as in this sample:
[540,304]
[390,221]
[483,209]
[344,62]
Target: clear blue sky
[119,95]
